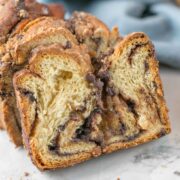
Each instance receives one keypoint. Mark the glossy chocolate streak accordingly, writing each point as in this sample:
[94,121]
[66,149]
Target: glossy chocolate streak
[54,146]
[68,45]
[146,66]
[106,54]
[34,123]
[4,94]
[82,133]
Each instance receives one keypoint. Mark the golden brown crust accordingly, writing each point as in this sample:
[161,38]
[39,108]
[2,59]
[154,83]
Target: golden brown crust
[44,30]
[13,11]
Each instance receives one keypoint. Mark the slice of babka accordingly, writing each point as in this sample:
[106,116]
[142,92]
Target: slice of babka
[135,110]
[57,105]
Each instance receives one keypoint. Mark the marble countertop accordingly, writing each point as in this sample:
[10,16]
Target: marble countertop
[157,160]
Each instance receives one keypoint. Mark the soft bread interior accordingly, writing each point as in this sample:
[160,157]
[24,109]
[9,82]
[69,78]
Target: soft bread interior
[55,100]
[135,105]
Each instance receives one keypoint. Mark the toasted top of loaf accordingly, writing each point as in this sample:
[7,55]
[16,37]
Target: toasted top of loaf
[92,32]
[13,11]
[41,31]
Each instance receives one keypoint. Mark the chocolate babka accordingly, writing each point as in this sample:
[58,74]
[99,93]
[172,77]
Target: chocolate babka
[73,88]
[16,18]
[86,114]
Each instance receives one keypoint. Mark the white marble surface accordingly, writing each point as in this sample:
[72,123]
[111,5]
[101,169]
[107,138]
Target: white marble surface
[158,160]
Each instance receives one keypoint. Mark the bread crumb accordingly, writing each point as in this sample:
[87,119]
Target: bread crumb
[23,13]
[26,174]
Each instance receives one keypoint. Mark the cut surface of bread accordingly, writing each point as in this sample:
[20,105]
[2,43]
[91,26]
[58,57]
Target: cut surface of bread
[69,115]
[135,109]
[55,101]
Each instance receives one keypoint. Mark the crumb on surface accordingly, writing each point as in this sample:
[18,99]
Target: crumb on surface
[26,174]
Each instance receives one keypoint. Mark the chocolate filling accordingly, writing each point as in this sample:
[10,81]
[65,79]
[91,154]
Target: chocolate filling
[146,66]
[4,94]
[106,54]
[91,78]
[122,128]
[97,41]
[131,106]
[131,138]
[133,51]
[28,94]
[68,45]
[53,147]
[162,133]
[84,131]
[110,91]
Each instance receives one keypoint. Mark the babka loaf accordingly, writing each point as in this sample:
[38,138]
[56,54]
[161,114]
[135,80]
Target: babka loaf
[70,115]
[76,89]
[12,27]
